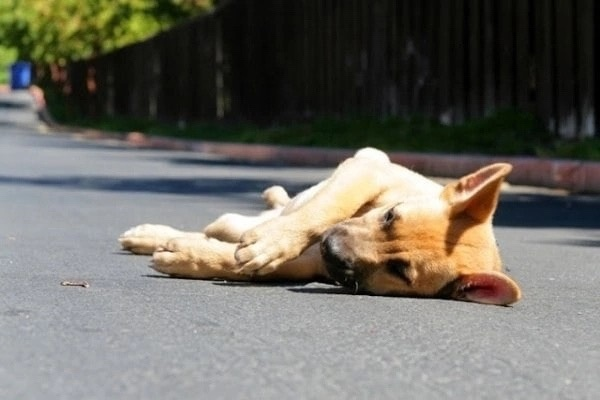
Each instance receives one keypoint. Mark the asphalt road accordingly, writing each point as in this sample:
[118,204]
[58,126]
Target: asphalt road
[135,335]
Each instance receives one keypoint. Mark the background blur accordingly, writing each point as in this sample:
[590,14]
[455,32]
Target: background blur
[527,68]
[58,31]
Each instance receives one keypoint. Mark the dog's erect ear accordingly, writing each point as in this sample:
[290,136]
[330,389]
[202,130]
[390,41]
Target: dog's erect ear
[489,287]
[477,194]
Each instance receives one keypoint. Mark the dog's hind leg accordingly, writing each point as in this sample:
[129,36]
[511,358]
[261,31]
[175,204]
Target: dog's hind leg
[275,197]
[229,227]
[146,238]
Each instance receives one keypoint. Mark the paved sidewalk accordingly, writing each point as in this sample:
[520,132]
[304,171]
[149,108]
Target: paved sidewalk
[17,108]
[571,175]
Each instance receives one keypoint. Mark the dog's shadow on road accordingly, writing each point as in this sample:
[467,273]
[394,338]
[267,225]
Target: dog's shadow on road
[306,287]
[177,186]
[333,289]
[310,287]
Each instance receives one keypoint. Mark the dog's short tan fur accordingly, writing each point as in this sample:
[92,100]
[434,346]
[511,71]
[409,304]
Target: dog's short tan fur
[374,226]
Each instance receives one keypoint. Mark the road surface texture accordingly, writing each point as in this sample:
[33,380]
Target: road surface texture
[133,334]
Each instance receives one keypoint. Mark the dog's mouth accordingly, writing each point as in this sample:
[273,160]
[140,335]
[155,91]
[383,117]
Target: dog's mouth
[339,269]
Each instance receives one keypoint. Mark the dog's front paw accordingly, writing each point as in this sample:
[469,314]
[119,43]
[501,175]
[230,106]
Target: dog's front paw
[176,257]
[195,257]
[262,249]
[145,239]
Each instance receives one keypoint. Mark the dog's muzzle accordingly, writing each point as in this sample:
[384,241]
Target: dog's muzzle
[339,269]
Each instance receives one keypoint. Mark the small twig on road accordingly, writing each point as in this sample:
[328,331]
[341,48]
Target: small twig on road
[83,284]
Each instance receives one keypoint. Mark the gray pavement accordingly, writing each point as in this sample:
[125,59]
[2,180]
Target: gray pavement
[135,335]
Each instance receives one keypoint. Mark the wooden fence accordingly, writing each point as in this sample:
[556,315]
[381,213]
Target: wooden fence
[274,60]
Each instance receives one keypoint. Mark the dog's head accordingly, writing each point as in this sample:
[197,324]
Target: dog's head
[441,247]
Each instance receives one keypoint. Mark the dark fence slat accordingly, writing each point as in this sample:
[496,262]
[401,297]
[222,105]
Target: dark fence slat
[377,46]
[402,56]
[565,68]
[585,17]
[506,54]
[490,56]
[475,58]
[522,58]
[444,65]
[425,49]
[545,63]
[458,52]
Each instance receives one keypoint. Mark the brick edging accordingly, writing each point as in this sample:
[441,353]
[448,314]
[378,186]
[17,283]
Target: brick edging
[572,175]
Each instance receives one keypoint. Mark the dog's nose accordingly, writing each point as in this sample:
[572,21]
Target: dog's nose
[333,242]
[337,266]
[329,246]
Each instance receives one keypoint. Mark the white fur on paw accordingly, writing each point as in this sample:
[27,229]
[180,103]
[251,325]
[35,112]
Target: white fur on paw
[276,197]
[179,257]
[151,230]
[144,239]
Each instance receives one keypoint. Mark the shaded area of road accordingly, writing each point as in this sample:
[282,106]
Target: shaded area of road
[517,209]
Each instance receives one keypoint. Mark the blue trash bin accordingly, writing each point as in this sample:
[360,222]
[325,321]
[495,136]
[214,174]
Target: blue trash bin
[20,75]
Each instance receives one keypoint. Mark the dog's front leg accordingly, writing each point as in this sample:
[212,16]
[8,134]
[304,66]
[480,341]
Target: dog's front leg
[355,183]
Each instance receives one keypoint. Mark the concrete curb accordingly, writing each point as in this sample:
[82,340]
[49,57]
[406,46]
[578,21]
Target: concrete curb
[571,175]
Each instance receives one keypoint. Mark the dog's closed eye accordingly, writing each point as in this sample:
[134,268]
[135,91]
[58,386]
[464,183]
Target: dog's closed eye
[388,217]
[400,269]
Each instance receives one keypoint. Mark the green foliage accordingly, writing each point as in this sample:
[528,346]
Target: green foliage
[55,31]
[7,57]
[585,149]
[506,132]
[503,133]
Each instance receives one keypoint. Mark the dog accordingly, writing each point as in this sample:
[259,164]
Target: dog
[373,226]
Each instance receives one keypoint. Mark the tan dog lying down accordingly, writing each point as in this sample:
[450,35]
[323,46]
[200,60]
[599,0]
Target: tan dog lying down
[373,226]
